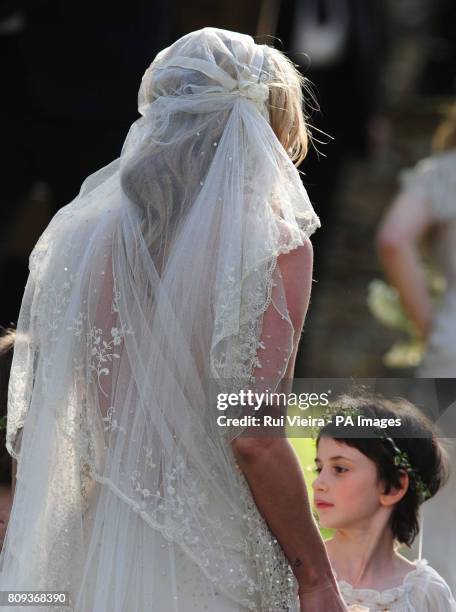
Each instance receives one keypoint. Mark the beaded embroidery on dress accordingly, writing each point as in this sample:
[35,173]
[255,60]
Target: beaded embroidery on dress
[145,293]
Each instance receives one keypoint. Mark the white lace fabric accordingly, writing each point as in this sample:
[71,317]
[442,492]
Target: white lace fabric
[145,292]
[422,589]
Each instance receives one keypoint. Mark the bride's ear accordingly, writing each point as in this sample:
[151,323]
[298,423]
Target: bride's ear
[395,494]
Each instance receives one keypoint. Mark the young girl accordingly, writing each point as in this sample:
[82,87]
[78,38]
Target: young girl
[369,489]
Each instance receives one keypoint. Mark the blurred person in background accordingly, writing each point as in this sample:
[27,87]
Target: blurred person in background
[426,207]
[69,79]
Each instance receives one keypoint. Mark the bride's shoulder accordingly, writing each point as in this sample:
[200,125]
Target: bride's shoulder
[298,261]
[296,272]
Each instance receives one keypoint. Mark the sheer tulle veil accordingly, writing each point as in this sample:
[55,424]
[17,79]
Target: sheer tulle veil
[146,290]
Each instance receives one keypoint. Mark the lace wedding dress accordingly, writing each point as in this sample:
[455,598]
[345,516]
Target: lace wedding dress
[145,294]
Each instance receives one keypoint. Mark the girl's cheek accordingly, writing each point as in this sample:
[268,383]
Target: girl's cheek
[347,492]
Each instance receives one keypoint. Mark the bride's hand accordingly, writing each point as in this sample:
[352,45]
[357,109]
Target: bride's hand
[322,600]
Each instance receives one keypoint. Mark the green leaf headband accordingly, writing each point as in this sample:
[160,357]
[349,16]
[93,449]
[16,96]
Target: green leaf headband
[402,461]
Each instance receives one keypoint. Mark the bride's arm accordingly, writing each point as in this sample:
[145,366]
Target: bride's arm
[274,474]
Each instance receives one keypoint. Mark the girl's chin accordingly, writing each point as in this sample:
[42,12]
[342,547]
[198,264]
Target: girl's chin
[327,523]
[324,523]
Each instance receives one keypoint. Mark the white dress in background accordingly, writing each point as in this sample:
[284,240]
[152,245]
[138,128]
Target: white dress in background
[434,180]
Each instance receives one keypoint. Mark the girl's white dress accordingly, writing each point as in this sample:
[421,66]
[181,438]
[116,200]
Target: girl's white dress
[422,590]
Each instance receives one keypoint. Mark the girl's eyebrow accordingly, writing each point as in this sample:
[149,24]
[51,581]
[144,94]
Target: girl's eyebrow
[335,458]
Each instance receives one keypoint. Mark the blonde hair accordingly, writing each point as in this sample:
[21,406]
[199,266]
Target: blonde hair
[444,137]
[152,178]
[286,113]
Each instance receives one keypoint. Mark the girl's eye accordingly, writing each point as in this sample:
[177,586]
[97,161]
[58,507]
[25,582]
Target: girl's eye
[317,470]
[339,469]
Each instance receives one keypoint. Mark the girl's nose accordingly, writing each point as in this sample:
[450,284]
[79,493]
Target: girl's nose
[319,483]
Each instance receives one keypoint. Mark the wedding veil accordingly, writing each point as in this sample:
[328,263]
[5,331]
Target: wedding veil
[147,289]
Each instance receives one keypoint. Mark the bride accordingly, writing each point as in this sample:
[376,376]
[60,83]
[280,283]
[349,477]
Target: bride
[181,270]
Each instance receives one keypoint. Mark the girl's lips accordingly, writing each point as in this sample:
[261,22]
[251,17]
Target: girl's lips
[322,505]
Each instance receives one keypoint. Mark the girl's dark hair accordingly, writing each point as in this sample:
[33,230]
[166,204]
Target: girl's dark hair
[416,436]
[7,337]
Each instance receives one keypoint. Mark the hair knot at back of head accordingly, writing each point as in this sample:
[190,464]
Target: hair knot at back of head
[211,61]
[247,84]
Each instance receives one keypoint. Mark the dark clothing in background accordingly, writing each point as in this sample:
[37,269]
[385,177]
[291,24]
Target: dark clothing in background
[347,87]
[71,75]
[439,75]
[347,84]
[73,72]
